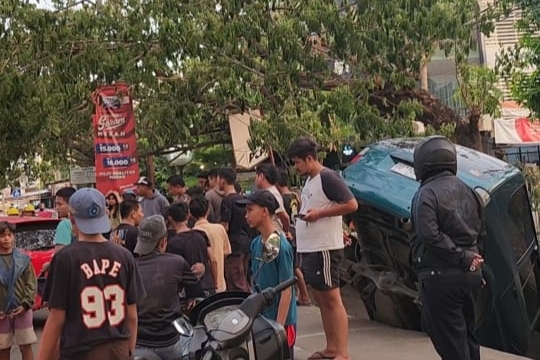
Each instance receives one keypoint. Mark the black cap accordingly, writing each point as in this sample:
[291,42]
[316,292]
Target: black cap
[262,198]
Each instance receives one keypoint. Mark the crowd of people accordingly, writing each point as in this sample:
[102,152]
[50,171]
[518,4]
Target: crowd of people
[122,259]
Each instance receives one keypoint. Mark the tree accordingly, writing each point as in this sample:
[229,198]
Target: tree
[192,62]
[521,64]
[479,92]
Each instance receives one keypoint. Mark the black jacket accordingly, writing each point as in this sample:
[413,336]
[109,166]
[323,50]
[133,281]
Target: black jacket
[446,216]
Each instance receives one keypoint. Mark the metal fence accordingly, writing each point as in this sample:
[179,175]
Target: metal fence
[522,155]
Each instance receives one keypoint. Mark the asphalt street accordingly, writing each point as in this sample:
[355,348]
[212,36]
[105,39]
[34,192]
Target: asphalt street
[367,339]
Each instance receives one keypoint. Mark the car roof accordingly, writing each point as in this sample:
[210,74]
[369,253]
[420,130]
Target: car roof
[373,178]
[26,219]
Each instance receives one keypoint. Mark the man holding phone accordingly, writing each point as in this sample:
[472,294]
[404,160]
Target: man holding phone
[319,239]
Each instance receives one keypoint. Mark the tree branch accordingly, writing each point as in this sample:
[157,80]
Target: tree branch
[165,151]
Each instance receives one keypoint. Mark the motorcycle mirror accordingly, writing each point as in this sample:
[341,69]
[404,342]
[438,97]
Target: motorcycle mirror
[183,327]
[271,248]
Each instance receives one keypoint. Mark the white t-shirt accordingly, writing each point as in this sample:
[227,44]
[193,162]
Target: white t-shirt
[320,192]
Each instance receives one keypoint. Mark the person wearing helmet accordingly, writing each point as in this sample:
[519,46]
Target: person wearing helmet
[13,211]
[29,210]
[447,223]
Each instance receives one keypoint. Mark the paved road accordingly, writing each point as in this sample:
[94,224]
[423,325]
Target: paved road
[368,340]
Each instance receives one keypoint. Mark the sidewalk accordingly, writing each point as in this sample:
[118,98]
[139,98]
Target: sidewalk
[370,340]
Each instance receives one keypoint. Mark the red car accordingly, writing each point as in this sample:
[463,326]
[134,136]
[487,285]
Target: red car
[35,236]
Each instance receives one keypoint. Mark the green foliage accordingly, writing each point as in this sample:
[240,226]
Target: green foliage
[478,90]
[191,62]
[521,64]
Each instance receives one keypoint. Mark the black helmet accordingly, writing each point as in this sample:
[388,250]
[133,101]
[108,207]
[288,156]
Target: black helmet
[432,155]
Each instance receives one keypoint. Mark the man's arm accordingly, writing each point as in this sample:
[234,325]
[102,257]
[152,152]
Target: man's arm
[30,287]
[285,272]
[225,216]
[48,349]
[285,220]
[190,282]
[135,292]
[284,305]
[226,244]
[131,323]
[213,265]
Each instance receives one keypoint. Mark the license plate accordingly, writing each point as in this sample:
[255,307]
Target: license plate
[404,169]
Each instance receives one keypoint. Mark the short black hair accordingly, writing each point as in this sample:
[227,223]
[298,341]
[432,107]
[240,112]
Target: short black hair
[302,148]
[66,193]
[195,191]
[269,172]
[6,227]
[213,173]
[176,180]
[202,175]
[227,174]
[127,206]
[179,212]
[237,187]
[198,206]
[283,177]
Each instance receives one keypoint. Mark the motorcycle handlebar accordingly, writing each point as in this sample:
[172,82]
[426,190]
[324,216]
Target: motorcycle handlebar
[284,285]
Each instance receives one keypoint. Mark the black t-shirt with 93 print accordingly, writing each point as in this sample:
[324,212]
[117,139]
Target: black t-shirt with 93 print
[93,283]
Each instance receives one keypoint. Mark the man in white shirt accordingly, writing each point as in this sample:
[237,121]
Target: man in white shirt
[319,238]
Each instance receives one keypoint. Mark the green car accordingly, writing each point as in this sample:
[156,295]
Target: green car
[377,265]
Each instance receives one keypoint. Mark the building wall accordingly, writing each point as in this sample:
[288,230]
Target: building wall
[504,36]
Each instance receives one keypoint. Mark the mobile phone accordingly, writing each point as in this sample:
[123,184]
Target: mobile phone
[300,216]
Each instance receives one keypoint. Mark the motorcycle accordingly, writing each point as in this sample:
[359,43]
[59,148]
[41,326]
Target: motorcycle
[229,325]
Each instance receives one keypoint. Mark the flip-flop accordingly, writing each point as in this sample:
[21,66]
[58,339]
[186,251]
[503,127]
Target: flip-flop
[301,303]
[318,355]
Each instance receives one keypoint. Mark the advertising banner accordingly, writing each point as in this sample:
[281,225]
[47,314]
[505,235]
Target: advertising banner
[516,132]
[514,128]
[115,141]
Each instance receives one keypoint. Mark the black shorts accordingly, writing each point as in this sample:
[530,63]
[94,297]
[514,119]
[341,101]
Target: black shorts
[321,269]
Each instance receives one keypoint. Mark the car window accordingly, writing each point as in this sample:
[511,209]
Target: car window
[35,236]
[522,232]
[520,224]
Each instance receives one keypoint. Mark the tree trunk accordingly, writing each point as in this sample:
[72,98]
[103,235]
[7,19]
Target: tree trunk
[468,134]
[150,169]
[424,83]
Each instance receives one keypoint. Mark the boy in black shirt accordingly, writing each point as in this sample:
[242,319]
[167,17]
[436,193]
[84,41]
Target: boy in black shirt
[164,276]
[234,221]
[92,290]
[192,245]
[125,234]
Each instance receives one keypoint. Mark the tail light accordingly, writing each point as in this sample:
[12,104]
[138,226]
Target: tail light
[359,155]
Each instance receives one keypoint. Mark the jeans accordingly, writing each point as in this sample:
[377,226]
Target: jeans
[172,352]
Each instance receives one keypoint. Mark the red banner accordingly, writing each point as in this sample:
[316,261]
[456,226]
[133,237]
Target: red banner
[115,141]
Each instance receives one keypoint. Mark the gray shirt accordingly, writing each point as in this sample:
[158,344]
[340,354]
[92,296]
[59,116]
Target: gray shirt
[214,198]
[154,206]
